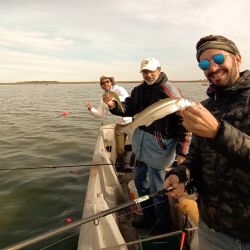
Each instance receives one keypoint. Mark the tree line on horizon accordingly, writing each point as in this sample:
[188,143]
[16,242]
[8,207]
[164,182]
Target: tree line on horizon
[92,82]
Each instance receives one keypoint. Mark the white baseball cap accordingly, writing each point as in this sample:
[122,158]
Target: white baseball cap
[150,63]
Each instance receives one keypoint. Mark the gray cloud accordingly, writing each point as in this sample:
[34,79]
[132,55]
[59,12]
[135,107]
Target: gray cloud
[118,33]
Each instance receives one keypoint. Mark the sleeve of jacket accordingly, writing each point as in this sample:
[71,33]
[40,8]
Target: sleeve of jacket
[189,171]
[183,136]
[100,112]
[233,144]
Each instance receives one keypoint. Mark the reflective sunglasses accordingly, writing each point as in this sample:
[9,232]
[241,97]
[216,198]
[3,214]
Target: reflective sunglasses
[205,63]
[105,81]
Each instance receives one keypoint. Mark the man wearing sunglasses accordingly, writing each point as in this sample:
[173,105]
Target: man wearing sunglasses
[107,83]
[155,146]
[218,162]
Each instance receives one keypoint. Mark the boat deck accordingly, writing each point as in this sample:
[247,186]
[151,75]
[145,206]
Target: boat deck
[126,216]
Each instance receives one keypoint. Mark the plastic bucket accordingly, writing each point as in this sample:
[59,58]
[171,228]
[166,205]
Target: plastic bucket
[134,195]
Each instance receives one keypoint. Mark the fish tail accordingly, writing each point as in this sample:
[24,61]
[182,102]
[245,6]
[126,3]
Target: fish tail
[121,107]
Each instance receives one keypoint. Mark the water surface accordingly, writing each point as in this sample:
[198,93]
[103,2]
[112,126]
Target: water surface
[32,136]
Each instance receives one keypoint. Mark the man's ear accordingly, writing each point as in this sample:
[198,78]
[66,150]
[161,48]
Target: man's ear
[238,59]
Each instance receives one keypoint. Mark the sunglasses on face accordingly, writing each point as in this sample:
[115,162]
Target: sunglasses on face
[105,81]
[205,63]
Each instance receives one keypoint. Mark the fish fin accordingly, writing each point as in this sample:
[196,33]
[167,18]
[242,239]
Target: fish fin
[134,117]
[148,123]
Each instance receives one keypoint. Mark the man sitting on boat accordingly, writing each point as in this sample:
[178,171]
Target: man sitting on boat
[107,83]
[156,145]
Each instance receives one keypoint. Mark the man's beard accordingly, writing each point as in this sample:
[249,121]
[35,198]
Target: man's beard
[151,82]
[231,77]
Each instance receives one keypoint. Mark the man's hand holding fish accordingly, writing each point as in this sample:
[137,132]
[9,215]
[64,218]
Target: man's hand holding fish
[108,99]
[200,121]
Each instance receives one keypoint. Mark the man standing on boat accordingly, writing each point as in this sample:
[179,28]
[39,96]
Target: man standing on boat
[155,146]
[218,162]
[107,83]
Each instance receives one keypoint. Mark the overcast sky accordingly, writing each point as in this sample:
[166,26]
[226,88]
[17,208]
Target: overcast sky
[79,40]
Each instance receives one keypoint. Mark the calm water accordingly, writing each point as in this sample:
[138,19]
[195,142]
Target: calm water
[32,136]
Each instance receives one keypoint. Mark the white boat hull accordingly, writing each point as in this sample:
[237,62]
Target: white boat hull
[103,192]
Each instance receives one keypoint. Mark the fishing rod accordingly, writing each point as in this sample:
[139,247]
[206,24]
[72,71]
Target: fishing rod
[94,217]
[65,166]
[151,238]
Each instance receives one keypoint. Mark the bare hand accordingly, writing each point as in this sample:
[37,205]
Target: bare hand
[89,105]
[108,99]
[179,188]
[180,159]
[200,121]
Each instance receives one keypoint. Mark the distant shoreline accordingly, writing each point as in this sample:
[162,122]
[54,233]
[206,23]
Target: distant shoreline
[91,82]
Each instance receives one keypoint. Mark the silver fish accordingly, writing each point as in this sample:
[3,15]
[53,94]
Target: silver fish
[156,111]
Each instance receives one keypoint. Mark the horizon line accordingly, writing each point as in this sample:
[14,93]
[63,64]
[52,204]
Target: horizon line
[92,82]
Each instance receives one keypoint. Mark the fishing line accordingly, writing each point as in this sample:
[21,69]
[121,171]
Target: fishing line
[64,166]
[133,212]
[59,241]
[152,205]
[135,242]
[76,150]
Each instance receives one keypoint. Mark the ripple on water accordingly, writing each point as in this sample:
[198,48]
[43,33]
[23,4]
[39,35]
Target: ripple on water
[35,201]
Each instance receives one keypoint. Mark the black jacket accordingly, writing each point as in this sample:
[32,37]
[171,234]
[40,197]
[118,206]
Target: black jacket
[220,167]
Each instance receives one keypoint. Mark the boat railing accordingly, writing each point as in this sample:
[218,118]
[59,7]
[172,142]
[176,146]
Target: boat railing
[104,191]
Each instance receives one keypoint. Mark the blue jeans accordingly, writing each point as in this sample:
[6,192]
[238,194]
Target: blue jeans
[212,240]
[149,180]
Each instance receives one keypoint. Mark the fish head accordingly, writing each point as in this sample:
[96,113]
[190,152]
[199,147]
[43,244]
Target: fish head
[184,103]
